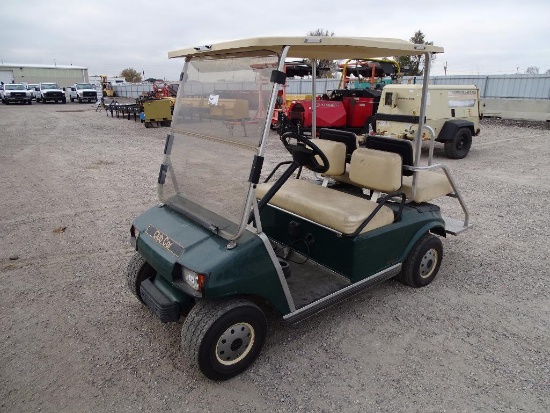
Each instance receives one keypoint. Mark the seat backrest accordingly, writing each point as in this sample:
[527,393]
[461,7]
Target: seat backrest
[336,155]
[347,138]
[377,170]
[401,147]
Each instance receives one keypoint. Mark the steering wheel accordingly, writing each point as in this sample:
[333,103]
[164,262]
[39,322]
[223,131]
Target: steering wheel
[304,152]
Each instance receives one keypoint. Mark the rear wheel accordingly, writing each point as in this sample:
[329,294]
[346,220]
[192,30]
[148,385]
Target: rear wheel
[223,338]
[423,262]
[138,271]
[460,145]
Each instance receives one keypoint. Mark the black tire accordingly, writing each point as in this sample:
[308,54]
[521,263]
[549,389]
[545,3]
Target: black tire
[423,262]
[72,100]
[29,102]
[138,271]
[223,338]
[79,100]
[460,145]
[43,101]
[148,124]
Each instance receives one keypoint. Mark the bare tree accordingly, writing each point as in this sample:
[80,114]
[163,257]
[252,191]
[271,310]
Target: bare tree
[414,65]
[532,70]
[326,67]
[547,72]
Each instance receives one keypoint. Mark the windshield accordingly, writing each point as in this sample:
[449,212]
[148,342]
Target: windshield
[217,126]
[84,86]
[49,86]
[15,87]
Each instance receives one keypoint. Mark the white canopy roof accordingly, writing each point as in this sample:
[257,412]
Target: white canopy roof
[310,47]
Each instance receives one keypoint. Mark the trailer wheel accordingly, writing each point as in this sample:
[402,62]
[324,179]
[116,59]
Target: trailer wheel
[138,271]
[223,338]
[148,124]
[423,262]
[459,146]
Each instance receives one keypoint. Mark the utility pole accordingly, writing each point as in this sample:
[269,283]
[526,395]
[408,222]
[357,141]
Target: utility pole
[445,68]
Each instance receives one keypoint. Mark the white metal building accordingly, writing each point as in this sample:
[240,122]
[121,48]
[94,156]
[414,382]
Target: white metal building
[63,75]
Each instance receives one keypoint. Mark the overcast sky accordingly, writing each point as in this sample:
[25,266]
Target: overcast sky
[106,36]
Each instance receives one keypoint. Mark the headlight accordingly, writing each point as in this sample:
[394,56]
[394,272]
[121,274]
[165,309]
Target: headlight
[193,279]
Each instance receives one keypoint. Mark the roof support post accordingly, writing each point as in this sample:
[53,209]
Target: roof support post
[313,99]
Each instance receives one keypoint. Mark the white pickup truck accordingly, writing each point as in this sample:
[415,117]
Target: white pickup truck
[50,91]
[83,92]
[15,92]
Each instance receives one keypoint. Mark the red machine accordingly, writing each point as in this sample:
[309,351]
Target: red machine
[350,108]
[344,109]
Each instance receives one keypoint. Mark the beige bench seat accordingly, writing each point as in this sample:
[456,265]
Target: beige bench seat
[429,185]
[328,207]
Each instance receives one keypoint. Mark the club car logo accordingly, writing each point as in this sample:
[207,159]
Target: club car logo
[165,241]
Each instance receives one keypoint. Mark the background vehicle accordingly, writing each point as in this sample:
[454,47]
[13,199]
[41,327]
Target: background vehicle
[106,87]
[83,92]
[453,113]
[221,248]
[50,91]
[15,93]
[32,88]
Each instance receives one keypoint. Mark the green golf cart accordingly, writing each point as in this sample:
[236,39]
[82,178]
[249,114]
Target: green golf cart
[250,221]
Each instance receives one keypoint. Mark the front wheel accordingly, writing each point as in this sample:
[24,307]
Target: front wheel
[460,145]
[423,262]
[138,271]
[223,338]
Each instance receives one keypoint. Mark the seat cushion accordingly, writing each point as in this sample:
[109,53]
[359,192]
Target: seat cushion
[430,185]
[335,153]
[378,170]
[328,207]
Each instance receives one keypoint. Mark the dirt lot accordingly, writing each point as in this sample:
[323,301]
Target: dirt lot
[73,339]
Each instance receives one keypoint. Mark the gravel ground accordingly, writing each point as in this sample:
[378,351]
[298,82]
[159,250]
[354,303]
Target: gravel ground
[73,338]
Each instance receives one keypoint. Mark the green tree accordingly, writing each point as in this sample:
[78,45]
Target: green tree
[131,75]
[413,65]
[326,67]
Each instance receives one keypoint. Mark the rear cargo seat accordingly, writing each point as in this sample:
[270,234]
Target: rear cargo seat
[430,185]
[337,210]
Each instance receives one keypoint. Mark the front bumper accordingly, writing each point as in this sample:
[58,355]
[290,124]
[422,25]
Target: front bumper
[161,305]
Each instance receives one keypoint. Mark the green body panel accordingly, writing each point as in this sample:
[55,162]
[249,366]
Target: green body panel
[246,269]
[355,258]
